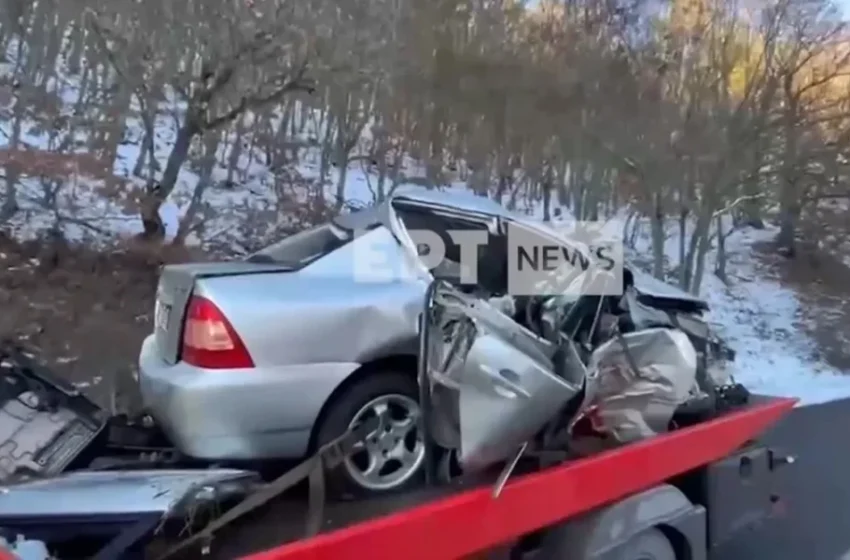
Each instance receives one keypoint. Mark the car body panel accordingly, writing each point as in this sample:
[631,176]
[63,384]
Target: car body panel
[46,424]
[237,414]
[307,329]
[175,287]
[463,201]
[313,316]
[89,493]
[651,288]
[492,380]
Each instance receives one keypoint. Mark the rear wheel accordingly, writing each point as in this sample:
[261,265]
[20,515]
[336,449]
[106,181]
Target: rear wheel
[651,544]
[392,456]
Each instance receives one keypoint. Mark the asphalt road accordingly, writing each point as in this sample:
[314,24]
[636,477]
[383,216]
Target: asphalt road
[815,523]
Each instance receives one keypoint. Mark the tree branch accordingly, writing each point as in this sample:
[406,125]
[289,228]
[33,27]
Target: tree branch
[297,82]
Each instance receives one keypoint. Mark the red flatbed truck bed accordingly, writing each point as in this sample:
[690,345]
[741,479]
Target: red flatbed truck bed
[714,470]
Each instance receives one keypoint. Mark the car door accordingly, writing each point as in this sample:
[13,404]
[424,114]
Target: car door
[493,386]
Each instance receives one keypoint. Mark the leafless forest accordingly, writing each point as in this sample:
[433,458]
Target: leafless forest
[693,116]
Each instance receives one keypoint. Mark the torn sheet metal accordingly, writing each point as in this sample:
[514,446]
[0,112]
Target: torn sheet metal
[121,492]
[494,388]
[44,424]
[635,398]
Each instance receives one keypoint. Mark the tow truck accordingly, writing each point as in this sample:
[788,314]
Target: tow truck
[680,495]
[676,496]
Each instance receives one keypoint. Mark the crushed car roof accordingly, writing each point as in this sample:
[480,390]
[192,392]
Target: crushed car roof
[454,198]
[470,202]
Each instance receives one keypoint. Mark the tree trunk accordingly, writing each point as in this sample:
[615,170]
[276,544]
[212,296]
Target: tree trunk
[342,177]
[658,237]
[786,240]
[144,150]
[789,201]
[381,154]
[13,172]
[752,207]
[699,272]
[207,166]
[327,148]
[694,264]
[235,150]
[154,228]
[720,264]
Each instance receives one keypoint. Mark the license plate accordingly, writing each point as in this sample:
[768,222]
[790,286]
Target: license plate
[162,313]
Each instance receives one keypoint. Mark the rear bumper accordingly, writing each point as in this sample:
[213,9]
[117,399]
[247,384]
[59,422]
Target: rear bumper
[244,414]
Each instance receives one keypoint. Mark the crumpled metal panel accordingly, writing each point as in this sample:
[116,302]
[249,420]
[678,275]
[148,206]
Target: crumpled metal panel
[117,492]
[344,308]
[633,405]
[494,386]
[506,398]
[44,425]
[26,431]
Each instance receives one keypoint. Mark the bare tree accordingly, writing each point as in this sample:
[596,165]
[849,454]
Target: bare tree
[218,60]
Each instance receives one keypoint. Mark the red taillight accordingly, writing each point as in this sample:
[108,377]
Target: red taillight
[209,340]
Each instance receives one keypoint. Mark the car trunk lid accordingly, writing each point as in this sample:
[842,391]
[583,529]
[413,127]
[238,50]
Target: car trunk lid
[176,284]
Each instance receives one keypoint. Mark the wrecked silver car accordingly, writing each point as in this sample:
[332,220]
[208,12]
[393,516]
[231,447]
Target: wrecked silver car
[273,356]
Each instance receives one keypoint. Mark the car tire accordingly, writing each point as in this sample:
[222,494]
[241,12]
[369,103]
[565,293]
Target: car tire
[392,387]
[651,544]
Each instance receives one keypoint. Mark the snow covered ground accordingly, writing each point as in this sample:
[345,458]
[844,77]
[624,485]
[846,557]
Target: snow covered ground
[753,312]
[758,316]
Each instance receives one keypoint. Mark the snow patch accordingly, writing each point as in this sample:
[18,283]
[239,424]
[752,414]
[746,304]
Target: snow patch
[760,318]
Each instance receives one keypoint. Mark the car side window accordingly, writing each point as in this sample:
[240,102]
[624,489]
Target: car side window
[450,267]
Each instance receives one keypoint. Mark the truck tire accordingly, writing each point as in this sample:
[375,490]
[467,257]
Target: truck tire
[399,444]
[651,544]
